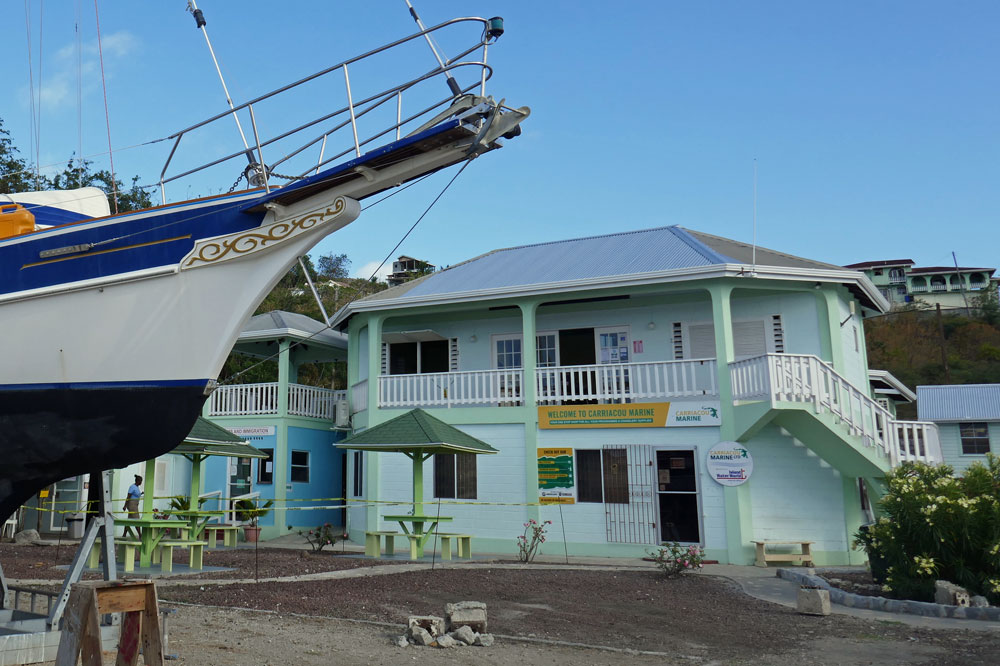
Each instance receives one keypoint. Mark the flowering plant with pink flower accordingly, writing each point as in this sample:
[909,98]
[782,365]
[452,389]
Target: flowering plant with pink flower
[528,543]
[673,559]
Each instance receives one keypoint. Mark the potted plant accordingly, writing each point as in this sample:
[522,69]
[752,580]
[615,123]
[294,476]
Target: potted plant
[249,511]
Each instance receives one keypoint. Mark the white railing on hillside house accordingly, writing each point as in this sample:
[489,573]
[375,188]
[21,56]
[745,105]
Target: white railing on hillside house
[254,399]
[627,382]
[475,388]
[359,397]
[800,378]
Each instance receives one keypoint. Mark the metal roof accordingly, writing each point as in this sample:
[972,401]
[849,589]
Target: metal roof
[628,253]
[881,263]
[968,402]
[416,432]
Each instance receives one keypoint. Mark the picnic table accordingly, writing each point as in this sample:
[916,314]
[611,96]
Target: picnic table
[416,533]
[196,521]
[149,532]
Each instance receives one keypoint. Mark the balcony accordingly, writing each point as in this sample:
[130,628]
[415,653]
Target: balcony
[260,399]
[787,380]
[604,383]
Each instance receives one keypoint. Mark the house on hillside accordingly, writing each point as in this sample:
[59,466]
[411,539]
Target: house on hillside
[967,417]
[901,282]
[640,387]
[407,268]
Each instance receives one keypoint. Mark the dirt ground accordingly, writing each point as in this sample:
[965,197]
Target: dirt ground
[536,614]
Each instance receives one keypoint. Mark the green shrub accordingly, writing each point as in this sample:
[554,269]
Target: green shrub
[935,526]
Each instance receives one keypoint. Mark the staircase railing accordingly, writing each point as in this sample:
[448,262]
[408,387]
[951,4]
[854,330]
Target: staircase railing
[803,378]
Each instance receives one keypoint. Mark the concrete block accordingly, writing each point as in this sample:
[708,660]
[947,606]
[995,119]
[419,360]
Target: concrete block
[420,636]
[464,634]
[950,594]
[960,613]
[812,601]
[468,613]
[432,623]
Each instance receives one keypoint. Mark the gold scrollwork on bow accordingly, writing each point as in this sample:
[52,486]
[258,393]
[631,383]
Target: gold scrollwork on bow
[251,241]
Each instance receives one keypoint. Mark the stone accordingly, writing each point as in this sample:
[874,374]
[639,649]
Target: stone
[813,601]
[950,594]
[420,635]
[402,641]
[446,641]
[484,640]
[468,613]
[464,634]
[27,536]
[979,601]
[432,623]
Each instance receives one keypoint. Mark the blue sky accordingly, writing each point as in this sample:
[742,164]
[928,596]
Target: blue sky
[874,125]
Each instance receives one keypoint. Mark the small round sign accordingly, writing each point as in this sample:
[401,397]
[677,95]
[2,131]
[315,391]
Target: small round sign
[729,463]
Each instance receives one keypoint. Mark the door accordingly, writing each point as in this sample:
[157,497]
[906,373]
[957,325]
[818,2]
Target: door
[677,496]
[576,347]
[239,477]
[612,349]
[66,498]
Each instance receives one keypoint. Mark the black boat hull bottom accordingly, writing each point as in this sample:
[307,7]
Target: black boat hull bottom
[53,433]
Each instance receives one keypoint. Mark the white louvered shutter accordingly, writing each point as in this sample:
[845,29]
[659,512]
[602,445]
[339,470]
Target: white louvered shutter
[385,359]
[701,341]
[453,355]
[749,339]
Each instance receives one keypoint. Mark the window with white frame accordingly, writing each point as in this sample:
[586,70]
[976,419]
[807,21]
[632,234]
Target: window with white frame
[421,357]
[507,351]
[300,467]
[975,438]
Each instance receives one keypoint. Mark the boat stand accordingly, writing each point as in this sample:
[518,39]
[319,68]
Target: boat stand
[27,636]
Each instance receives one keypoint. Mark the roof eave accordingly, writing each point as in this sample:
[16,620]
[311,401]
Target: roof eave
[850,277]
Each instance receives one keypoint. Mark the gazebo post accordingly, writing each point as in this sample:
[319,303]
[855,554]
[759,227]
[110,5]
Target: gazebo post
[418,482]
[150,483]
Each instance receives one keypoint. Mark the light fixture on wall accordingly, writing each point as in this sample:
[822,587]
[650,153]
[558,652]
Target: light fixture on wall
[651,325]
[818,285]
[473,338]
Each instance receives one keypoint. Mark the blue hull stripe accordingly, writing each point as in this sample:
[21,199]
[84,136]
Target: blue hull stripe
[97,386]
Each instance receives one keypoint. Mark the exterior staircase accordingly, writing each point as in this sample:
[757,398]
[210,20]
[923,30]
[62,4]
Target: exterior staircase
[839,421]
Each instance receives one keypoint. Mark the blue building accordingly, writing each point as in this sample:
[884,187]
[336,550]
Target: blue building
[968,420]
[294,423]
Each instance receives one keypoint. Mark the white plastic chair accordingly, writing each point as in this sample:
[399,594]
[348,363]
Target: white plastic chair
[10,525]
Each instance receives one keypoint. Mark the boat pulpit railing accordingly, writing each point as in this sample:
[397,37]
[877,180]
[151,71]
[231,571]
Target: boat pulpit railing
[290,142]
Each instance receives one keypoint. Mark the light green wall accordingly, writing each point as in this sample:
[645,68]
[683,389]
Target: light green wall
[951,445]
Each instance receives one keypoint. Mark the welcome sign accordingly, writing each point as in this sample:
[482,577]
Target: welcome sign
[632,415]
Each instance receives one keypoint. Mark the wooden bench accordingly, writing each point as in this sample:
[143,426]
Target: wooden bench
[127,549]
[373,543]
[804,557]
[463,541]
[229,533]
[165,553]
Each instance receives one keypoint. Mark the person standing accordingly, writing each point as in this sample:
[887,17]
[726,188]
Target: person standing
[132,500]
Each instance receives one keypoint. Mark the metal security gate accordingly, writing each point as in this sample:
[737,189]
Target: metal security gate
[629,475]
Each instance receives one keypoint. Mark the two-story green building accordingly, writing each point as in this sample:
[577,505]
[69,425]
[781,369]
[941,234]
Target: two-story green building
[951,287]
[640,387]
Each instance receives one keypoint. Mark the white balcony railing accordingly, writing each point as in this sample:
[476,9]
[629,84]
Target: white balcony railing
[807,379]
[448,389]
[255,399]
[620,382]
[359,397]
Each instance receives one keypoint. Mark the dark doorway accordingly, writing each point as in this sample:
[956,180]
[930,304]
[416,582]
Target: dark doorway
[576,347]
[434,356]
[677,488]
[403,358]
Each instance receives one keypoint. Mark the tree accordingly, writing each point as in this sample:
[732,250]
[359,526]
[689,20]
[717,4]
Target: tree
[15,173]
[333,266]
[78,174]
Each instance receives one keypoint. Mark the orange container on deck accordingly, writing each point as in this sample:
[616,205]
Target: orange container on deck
[15,220]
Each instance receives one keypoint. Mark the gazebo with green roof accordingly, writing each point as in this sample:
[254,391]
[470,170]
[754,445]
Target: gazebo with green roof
[417,435]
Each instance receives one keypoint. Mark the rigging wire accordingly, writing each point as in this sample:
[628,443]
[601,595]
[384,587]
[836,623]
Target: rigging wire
[38,120]
[234,376]
[79,94]
[107,117]
[31,93]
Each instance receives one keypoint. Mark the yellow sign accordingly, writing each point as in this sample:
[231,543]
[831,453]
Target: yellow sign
[636,415]
[555,476]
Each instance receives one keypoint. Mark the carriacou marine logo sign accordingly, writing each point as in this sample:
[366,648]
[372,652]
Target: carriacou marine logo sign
[730,463]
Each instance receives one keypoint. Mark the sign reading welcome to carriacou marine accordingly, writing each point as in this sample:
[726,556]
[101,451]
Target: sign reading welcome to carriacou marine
[632,415]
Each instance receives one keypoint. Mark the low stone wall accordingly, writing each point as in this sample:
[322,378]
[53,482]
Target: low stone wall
[922,608]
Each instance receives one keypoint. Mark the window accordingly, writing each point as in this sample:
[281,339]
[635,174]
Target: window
[975,438]
[455,475]
[877,271]
[300,467]
[424,357]
[507,351]
[265,467]
[602,476]
[359,473]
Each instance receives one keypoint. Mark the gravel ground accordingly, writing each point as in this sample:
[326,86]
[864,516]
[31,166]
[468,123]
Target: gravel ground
[691,620]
